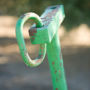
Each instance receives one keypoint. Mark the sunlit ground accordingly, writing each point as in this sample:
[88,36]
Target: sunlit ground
[14,75]
[77,36]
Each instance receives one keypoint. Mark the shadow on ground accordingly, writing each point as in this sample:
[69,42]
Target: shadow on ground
[15,75]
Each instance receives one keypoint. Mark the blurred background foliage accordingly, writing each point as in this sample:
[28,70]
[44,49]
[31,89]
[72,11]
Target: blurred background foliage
[77,11]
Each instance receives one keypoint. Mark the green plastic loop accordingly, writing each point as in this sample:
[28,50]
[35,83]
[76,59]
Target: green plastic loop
[21,42]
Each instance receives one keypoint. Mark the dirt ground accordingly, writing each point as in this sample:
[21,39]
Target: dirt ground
[15,75]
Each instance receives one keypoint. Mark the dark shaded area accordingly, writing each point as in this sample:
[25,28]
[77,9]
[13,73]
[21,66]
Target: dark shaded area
[77,11]
[15,75]
[10,41]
